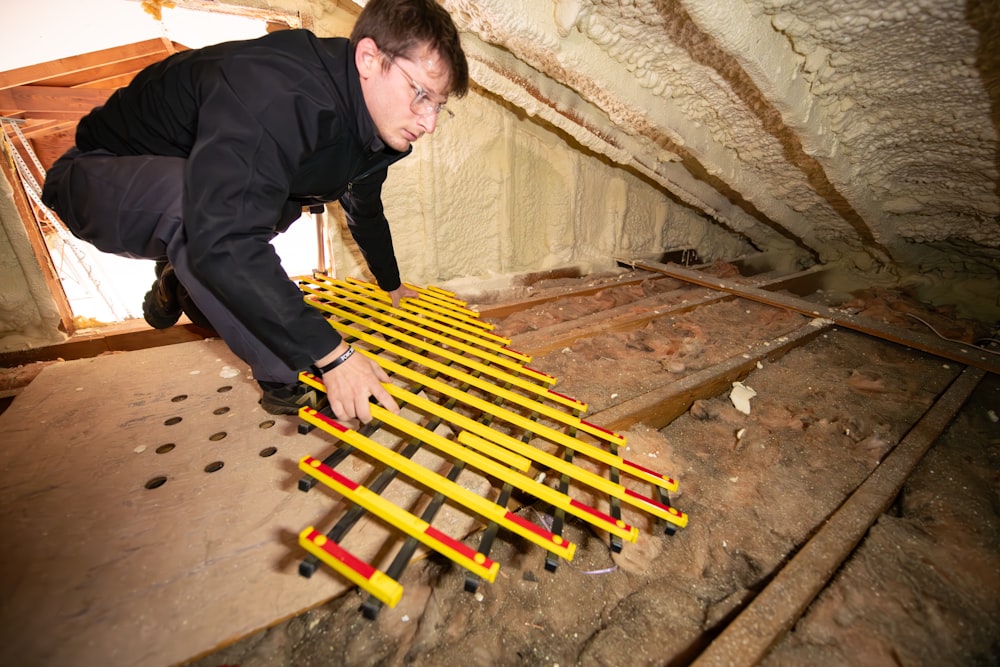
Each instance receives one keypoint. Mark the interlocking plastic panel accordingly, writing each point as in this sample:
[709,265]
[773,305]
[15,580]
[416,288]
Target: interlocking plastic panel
[501,418]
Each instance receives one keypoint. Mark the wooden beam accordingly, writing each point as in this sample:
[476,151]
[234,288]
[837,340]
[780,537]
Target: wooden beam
[623,318]
[52,102]
[748,639]
[121,337]
[80,67]
[962,353]
[501,310]
[634,315]
[662,405]
[30,130]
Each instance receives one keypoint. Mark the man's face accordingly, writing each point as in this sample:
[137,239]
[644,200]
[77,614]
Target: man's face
[390,92]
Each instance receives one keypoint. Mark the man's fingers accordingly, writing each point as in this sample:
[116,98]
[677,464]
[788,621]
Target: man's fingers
[380,373]
[338,410]
[364,413]
[386,400]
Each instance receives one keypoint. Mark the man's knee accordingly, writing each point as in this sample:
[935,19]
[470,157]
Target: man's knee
[55,193]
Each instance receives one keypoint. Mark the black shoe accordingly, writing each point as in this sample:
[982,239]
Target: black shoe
[160,307]
[192,311]
[286,399]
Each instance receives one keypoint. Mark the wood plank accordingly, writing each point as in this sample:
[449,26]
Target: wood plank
[123,71]
[100,570]
[662,405]
[748,639]
[925,342]
[113,82]
[121,337]
[80,65]
[52,102]
[501,310]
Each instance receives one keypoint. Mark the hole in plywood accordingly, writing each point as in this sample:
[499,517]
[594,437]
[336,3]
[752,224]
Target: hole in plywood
[163,449]
[214,466]
[172,421]
[156,482]
[215,437]
[266,424]
[220,411]
[224,389]
[268,451]
[179,398]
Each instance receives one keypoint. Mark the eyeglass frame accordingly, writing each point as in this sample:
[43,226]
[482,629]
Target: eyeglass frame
[420,95]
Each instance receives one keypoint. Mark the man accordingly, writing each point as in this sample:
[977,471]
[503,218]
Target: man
[208,154]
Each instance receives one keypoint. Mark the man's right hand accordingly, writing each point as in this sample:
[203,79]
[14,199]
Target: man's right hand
[352,383]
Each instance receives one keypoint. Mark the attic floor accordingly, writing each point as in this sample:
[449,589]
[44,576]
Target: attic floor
[921,587]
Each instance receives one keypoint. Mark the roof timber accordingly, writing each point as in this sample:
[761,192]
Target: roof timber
[78,71]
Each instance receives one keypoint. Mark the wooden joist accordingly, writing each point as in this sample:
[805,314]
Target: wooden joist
[662,405]
[77,70]
[747,640]
[635,314]
[52,103]
[501,310]
[962,353]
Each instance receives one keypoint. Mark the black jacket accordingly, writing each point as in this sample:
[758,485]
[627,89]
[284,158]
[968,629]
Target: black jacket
[267,126]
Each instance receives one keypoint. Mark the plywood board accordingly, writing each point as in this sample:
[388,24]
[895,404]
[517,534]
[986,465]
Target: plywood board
[98,569]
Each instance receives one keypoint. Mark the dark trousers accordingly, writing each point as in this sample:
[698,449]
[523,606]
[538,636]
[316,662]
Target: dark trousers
[133,206]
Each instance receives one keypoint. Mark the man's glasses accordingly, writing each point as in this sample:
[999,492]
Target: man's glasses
[422,105]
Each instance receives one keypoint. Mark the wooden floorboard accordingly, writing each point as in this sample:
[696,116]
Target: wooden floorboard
[100,570]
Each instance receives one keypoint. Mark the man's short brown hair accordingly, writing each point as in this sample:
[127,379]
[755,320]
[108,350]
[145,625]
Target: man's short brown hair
[400,27]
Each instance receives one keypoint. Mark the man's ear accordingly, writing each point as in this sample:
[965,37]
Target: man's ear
[366,56]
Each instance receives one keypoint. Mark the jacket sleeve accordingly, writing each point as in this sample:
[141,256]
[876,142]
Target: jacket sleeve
[247,147]
[366,220]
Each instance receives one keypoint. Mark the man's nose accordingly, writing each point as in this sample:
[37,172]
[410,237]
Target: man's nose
[428,123]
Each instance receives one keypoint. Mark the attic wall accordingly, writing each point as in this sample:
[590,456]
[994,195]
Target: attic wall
[494,194]
[28,315]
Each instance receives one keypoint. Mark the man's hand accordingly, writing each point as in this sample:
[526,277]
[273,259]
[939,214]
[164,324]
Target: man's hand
[349,385]
[402,292]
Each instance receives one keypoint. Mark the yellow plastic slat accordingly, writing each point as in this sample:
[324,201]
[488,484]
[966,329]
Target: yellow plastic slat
[556,463]
[394,515]
[493,469]
[400,325]
[423,345]
[378,583]
[502,454]
[389,314]
[540,430]
[476,327]
[533,533]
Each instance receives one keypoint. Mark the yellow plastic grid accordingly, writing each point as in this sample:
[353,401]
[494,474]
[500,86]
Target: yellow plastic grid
[450,368]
